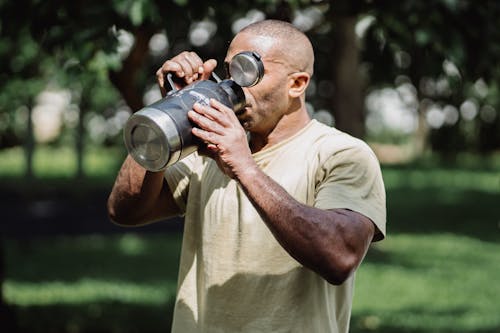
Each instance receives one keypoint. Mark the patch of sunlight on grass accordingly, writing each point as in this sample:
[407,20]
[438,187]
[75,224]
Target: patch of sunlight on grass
[103,161]
[12,162]
[429,283]
[50,162]
[131,245]
[85,291]
[54,162]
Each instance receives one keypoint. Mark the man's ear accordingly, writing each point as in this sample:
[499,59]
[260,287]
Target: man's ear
[298,83]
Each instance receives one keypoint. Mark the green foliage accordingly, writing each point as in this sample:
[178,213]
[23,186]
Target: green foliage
[74,45]
[432,33]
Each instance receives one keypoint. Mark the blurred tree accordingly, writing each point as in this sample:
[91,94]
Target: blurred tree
[21,69]
[343,70]
[447,51]
[441,47]
[81,44]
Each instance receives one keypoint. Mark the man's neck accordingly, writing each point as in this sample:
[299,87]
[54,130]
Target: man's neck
[286,127]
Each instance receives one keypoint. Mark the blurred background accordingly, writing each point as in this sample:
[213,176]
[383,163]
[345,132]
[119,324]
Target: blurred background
[419,81]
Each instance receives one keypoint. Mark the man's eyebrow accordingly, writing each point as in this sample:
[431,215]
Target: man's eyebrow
[283,63]
[276,61]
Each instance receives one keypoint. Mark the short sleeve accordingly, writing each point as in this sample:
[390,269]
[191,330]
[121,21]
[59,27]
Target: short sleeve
[351,179]
[178,178]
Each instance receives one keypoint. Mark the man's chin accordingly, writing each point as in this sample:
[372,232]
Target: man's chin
[246,123]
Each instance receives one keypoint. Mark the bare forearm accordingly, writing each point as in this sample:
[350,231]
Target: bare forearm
[135,194]
[329,242]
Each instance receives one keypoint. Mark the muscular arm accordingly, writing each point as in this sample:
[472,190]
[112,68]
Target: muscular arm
[330,242]
[139,196]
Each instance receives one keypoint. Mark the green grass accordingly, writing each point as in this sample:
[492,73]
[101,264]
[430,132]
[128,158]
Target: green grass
[429,283]
[55,170]
[60,162]
[122,283]
[408,283]
[437,270]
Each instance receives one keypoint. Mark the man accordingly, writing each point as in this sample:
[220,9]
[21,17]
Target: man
[276,220]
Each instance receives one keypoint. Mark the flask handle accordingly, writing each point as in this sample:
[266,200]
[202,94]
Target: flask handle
[172,84]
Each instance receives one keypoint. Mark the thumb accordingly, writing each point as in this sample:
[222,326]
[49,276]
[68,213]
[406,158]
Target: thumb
[208,68]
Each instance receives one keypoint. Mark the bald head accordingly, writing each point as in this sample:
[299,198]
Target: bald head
[289,43]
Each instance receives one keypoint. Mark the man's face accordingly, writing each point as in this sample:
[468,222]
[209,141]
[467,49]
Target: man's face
[268,100]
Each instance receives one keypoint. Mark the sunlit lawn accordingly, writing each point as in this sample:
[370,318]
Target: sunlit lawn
[429,283]
[60,162]
[436,272]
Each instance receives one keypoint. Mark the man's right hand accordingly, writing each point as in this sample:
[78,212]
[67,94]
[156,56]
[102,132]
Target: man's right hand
[187,66]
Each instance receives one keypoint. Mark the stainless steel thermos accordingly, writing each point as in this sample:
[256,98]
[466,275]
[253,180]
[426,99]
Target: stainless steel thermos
[160,134]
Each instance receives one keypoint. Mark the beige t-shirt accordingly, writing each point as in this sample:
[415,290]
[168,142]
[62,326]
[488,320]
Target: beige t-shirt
[234,276]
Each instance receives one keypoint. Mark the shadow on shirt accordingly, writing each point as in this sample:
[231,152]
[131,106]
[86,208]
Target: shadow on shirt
[296,301]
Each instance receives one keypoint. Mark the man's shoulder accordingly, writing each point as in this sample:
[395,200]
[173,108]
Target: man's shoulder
[333,140]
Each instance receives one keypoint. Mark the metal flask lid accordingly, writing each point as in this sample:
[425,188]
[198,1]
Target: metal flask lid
[246,68]
[160,134]
[152,139]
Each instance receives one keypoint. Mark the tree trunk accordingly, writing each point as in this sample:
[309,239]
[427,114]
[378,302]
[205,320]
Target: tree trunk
[80,135]
[29,146]
[421,134]
[347,99]
[125,80]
